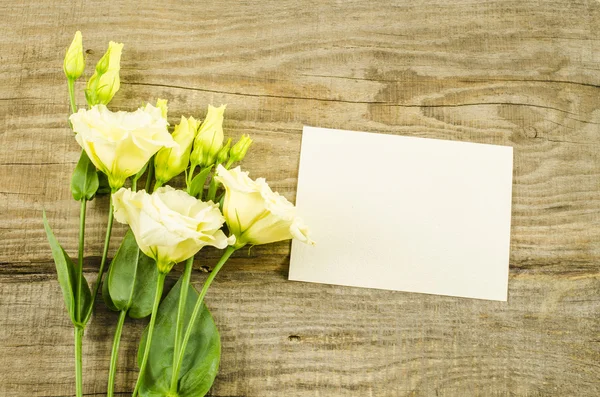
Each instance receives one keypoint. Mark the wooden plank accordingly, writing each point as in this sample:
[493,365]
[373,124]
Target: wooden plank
[300,339]
[555,193]
[518,73]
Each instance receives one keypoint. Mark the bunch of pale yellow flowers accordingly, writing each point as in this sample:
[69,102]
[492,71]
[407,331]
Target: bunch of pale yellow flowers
[179,351]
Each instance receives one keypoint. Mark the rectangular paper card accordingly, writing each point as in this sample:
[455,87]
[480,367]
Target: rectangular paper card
[403,213]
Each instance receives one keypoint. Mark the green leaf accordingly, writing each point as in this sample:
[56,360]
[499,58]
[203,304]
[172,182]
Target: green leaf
[64,270]
[103,186]
[67,278]
[197,185]
[137,176]
[86,294]
[106,297]
[202,356]
[121,274]
[84,182]
[145,287]
[131,279]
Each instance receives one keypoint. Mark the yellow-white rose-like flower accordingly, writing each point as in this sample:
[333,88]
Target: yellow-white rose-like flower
[169,225]
[120,143]
[255,214]
[170,162]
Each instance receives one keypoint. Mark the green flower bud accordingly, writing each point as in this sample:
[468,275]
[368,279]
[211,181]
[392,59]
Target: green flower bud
[223,154]
[238,151]
[209,139]
[74,62]
[105,82]
[170,162]
[162,105]
[104,62]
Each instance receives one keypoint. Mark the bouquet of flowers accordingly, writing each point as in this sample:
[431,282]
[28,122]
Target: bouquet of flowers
[221,206]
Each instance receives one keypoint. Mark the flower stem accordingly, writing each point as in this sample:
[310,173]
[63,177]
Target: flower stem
[212,189]
[188,332]
[185,282]
[150,175]
[80,257]
[190,176]
[160,282]
[102,262]
[71,85]
[78,366]
[114,356]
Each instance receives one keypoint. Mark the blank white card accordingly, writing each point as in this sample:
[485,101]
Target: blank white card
[403,213]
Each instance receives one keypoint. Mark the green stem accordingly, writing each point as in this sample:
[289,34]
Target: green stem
[114,356]
[103,261]
[188,332]
[190,176]
[160,282]
[149,175]
[157,184]
[78,365]
[212,189]
[71,85]
[80,257]
[185,282]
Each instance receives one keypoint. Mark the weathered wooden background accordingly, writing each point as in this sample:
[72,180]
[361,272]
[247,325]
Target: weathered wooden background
[524,73]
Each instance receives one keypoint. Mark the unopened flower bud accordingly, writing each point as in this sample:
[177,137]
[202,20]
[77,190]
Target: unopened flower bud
[209,139]
[162,105]
[170,162]
[105,82]
[239,150]
[104,62]
[223,154]
[74,62]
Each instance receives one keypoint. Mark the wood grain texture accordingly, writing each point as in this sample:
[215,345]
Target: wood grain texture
[521,73]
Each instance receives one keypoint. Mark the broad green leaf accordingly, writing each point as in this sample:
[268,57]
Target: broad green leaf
[106,297]
[145,287]
[197,185]
[131,279]
[84,182]
[121,274]
[201,360]
[65,270]
[103,186]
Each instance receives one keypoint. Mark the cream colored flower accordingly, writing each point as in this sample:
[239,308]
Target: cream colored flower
[105,82]
[209,139]
[120,143]
[74,62]
[170,162]
[255,214]
[169,225]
